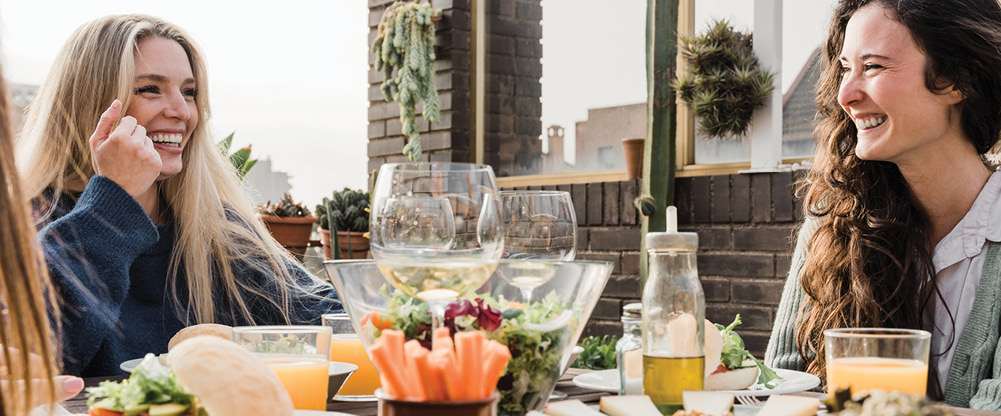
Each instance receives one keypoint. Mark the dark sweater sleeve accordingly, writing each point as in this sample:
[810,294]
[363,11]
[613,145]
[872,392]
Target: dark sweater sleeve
[89,248]
[306,306]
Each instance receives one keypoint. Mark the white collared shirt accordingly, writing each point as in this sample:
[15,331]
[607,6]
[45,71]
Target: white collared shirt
[959,260]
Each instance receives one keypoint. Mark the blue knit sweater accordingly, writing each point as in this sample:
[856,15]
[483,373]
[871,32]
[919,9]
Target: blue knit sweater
[109,264]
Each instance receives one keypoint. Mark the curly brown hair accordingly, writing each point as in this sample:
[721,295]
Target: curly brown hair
[870,260]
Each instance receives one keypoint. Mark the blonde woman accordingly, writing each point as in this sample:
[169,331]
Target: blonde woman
[143,221]
[26,335]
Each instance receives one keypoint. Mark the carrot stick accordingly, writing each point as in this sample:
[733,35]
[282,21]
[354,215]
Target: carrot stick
[419,356]
[389,367]
[468,347]
[454,384]
[441,338]
[413,375]
[496,356]
[438,376]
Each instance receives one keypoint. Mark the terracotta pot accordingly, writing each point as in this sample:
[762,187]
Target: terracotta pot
[357,240]
[291,233]
[633,148]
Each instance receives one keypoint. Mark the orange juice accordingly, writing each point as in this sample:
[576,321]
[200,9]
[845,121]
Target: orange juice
[347,348]
[305,378]
[868,373]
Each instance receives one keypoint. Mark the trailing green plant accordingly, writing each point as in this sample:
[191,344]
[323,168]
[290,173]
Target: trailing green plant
[598,354]
[285,207]
[240,159]
[405,44]
[724,83]
[348,209]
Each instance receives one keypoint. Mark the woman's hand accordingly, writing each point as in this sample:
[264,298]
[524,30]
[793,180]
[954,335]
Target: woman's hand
[63,387]
[125,155]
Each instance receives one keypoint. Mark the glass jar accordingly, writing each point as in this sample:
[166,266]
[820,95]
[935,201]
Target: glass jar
[629,350]
[673,318]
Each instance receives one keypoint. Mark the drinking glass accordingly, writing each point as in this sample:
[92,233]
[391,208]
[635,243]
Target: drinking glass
[435,229]
[297,354]
[346,347]
[877,358]
[538,225]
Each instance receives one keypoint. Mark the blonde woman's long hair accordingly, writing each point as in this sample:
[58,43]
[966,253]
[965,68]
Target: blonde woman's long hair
[215,222]
[28,350]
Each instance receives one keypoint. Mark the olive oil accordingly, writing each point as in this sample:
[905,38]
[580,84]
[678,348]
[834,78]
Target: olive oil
[665,378]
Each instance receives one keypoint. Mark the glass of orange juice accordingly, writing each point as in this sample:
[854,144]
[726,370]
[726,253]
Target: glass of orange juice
[346,347]
[297,354]
[877,359]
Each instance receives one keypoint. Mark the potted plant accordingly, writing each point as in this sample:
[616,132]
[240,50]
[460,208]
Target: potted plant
[405,45]
[240,159]
[290,224]
[347,213]
[724,83]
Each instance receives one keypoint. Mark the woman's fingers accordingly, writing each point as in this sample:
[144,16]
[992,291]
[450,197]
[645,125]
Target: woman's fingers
[127,157]
[104,125]
[64,387]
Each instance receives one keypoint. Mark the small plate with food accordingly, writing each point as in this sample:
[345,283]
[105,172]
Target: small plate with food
[734,370]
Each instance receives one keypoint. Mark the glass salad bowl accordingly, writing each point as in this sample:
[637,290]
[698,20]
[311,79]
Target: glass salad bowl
[540,334]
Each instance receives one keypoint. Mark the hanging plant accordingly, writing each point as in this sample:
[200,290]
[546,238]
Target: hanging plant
[405,46]
[724,83]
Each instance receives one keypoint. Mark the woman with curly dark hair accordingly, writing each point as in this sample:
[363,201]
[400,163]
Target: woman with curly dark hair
[904,211]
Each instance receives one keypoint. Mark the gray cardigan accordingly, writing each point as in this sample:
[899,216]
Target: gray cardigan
[975,373]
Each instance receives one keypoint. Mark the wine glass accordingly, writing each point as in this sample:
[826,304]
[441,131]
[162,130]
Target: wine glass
[538,225]
[435,229]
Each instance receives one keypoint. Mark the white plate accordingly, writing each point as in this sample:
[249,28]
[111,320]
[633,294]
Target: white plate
[792,382]
[130,365]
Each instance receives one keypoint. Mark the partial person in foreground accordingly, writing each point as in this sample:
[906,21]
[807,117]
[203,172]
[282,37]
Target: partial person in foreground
[143,222]
[903,209]
[28,347]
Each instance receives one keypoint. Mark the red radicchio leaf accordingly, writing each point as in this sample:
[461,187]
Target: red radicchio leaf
[488,318]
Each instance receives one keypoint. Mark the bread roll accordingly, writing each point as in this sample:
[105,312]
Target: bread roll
[228,379]
[737,379]
[714,347]
[221,331]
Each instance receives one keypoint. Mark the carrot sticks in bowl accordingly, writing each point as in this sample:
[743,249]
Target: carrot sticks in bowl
[464,369]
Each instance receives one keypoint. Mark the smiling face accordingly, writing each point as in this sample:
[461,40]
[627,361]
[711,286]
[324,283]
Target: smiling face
[164,99]
[883,89]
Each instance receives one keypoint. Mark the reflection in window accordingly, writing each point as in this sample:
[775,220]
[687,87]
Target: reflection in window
[565,83]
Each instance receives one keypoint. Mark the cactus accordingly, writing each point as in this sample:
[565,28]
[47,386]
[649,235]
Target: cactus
[347,208]
[285,207]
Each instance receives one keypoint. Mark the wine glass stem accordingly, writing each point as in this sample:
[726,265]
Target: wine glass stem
[526,294]
[437,314]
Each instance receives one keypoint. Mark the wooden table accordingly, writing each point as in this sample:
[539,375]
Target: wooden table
[79,404]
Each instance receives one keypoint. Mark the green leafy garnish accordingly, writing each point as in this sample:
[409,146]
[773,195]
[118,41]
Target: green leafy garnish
[150,383]
[734,354]
[288,344]
[598,354]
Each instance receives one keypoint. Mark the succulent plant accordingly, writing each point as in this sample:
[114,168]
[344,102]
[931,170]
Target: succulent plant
[285,207]
[348,209]
[724,83]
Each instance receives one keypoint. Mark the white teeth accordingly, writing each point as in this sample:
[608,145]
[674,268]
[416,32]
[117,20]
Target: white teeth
[870,122]
[173,140]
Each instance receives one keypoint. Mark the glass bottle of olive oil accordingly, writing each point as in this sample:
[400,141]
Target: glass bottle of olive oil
[673,318]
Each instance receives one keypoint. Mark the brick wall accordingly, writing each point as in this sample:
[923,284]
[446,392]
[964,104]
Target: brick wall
[746,226]
[448,140]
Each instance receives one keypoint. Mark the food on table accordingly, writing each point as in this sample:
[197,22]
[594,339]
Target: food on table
[780,405]
[221,331]
[698,413]
[464,369]
[536,335]
[209,376]
[708,402]
[881,402]
[534,413]
[570,408]
[633,405]
[737,368]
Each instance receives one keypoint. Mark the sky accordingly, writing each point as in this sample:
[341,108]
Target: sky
[292,79]
[289,77]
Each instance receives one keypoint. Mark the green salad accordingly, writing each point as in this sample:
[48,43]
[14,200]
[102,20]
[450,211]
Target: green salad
[152,388]
[536,334]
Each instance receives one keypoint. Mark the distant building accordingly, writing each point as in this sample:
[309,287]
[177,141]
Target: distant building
[799,110]
[20,96]
[264,184]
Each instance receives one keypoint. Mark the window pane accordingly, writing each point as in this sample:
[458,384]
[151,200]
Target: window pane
[565,82]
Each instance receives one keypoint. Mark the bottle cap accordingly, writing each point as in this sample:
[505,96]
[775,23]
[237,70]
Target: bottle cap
[633,310]
[672,239]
